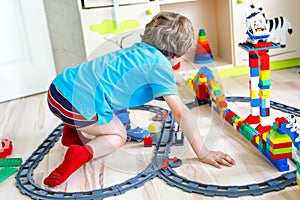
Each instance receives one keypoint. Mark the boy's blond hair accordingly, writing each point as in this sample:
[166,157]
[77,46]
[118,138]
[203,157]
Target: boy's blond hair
[171,33]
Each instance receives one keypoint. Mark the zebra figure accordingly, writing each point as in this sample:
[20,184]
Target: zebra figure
[278,26]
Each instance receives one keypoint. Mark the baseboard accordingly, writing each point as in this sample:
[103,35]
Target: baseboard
[242,70]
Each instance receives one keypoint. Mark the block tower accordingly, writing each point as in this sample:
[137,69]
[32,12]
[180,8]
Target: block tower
[259,84]
[203,54]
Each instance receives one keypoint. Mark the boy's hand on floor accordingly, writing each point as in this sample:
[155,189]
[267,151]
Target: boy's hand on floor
[217,159]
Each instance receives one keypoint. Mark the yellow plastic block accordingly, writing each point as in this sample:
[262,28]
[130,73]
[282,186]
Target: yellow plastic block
[237,120]
[264,75]
[189,83]
[264,136]
[264,94]
[253,94]
[203,80]
[280,140]
[257,140]
[152,127]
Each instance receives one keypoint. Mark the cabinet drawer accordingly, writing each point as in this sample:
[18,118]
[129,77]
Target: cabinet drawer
[101,3]
[100,33]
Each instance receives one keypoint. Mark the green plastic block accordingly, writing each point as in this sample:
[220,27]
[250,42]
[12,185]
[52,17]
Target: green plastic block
[6,172]
[10,162]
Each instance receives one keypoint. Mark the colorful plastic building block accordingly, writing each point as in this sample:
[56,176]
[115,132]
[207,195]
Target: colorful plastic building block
[203,54]
[148,141]
[6,149]
[6,172]
[10,162]
[273,142]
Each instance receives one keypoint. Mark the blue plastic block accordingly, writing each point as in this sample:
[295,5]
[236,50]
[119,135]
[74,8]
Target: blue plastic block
[253,56]
[284,130]
[264,87]
[263,103]
[281,164]
[255,102]
[254,72]
[263,112]
[207,72]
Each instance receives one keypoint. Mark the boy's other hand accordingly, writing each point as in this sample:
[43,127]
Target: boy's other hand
[217,159]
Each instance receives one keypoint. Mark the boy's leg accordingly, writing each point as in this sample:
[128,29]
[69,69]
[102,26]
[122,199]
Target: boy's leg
[75,157]
[71,136]
[109,137]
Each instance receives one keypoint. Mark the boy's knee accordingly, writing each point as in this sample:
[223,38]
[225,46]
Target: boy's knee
[123,137]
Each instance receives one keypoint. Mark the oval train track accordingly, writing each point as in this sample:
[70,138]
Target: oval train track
[27,185]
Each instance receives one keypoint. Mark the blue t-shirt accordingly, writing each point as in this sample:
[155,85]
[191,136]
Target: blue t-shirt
[125,78]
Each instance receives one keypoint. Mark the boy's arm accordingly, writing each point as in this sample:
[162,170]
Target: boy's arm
[188,124]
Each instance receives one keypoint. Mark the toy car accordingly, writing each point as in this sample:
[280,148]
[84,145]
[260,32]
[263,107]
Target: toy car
[136,134]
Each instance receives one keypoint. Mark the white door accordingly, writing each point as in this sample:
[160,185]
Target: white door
[26,59]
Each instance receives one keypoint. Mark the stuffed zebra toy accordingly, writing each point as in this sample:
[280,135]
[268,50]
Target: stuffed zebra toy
[277,26]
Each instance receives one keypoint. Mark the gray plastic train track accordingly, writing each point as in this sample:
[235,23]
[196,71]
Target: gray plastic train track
[27,185]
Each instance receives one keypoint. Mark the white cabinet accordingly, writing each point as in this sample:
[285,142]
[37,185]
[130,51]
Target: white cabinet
[272,8]
[101,3]
[222,20]
[214,17]
[224,24]
[103,33]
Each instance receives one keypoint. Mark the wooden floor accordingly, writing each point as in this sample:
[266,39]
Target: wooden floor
[28,121]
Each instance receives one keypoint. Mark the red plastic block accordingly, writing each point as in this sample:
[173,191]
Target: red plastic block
[280,156]
[264,62]
[263,129]
[262,44]
[280,120]
[223,104]
[201,91]
[281,145]
[253,60]
[252,119]
[239,125]
[148,141]
[6,148]
[254,139]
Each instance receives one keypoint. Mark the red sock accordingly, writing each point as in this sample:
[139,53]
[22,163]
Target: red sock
[72,136]
[75,157]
